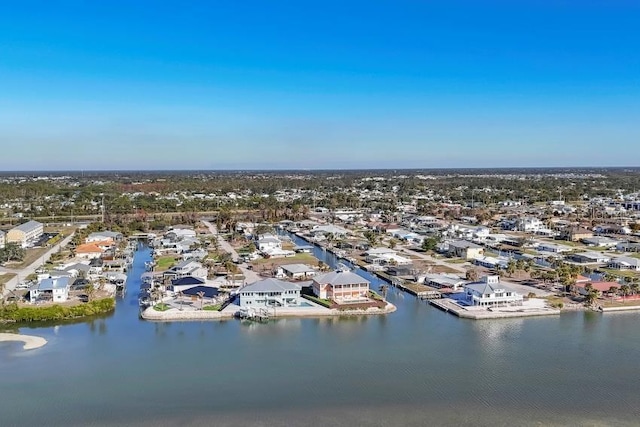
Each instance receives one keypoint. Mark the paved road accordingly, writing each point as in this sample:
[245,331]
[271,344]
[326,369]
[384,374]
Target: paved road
[30,269]
[250,275]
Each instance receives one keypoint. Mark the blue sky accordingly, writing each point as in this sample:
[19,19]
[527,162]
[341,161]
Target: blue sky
[330,84]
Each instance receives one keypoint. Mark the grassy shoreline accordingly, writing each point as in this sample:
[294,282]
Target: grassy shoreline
[12,313]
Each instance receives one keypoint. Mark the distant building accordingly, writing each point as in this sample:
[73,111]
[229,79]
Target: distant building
[464,249]
[489,292]
[3,237]
[625,263]
[24,233]
[100,236]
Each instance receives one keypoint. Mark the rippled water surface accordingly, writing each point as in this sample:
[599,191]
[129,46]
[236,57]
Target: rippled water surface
[417,366]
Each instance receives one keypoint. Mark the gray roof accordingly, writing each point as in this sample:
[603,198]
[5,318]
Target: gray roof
[109,234]
[78,267]
[463,244]
[28,226]
[487,288]
[340,277]
[297,268]
[53,283]
[271,285]
[626,260]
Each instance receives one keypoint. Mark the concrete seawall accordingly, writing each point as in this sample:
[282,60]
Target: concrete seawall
[457,310]
[228,313]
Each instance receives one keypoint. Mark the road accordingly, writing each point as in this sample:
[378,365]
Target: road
[30,269]
[249,275]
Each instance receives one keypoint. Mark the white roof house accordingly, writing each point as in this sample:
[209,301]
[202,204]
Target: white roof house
[490,292]
[270,293]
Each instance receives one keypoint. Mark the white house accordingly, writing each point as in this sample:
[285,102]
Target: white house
[2,239]
[296,271]
[100,236]
[55,289]
[270,293]
[267,242]
[489,292]
[625,263]
[529,224]
[185,268]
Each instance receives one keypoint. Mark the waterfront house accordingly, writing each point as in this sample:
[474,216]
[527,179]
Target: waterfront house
[89,251]
[177,234]
[341,286]
[26,233]
[601,288]
[184,283]
[295,271]
[270,293]
[464,249]
[490,292]
[54,289]
[99,236]
[186,268]
[268,242]
[441,281]
[625,263]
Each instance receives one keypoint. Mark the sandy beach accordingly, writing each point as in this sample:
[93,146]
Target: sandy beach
[30,342]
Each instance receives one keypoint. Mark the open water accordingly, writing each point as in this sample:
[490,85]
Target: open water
[417,366]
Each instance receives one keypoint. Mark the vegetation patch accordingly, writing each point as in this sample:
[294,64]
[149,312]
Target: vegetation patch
[165,262]
[14,313]
[216,307]
[323,302]
[161,307]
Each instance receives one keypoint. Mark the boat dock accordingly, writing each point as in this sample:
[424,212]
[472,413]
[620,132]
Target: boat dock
[259,315]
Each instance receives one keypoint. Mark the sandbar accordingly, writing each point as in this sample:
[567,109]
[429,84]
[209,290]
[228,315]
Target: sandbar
[30,342]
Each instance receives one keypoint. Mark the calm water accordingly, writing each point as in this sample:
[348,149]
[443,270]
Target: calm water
[418,366]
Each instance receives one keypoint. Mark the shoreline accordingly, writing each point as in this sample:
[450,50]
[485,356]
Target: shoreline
[30,342]
[191,315]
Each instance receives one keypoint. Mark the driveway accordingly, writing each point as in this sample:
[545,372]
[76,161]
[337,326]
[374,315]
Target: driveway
[30,269]
[250,275]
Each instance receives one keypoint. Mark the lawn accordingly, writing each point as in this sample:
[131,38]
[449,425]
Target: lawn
[301,258]
[4,278]
[165,262]
[31,256]
[161,307]
[621,273]
[606,303]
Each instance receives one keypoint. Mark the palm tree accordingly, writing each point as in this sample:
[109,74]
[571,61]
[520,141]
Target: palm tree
[201,296]
[625,289]
[591,296]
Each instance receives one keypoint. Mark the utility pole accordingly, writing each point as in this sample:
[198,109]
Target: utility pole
[103,208]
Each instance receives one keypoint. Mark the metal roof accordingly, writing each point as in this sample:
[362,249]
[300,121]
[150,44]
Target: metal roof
[340,277]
